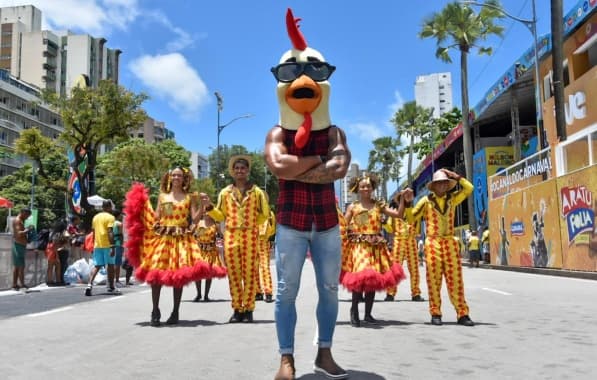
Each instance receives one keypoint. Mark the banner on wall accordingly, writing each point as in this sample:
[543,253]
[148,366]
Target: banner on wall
[487,162]
[532,170]
[525,229]
[577,219]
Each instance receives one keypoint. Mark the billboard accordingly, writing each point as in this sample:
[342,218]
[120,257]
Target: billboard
[524,228]
[577,219]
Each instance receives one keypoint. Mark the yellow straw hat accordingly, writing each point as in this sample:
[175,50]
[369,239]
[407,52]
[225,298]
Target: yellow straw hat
[234,159]
[440,176]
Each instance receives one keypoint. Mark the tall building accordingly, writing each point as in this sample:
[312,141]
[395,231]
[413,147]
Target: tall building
[199,165]
[434,91]
[153,131]
[21,109]
[52,60]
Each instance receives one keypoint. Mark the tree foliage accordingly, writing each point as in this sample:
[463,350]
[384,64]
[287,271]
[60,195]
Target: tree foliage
[384,160]
[128,162]
[413,121]
[92,117]
[459,27]
[49,202]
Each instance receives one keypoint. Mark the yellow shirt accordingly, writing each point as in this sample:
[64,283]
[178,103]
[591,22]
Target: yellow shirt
[473,243]
[101,224]
[248,211]
[438,212]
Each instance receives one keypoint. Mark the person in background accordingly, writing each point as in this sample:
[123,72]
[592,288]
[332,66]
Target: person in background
[441,248]
[103,247]
[485,246]
[206,232]
[473,249]
[264,278]
[76,237]
[421,249]
[118,233]
[405,248]
[19,247]
[61,238]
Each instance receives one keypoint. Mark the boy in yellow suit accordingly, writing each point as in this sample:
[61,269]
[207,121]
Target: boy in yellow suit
[441,248]
[244,208]
[264,278]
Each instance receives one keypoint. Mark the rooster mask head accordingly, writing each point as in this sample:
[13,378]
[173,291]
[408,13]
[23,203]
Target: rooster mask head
[303,89]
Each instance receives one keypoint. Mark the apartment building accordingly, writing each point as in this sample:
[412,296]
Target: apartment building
[434,91]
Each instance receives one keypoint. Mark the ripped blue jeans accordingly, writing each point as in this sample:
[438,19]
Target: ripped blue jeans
[291,250]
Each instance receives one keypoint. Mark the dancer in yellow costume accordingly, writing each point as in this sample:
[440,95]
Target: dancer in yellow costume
[264,278]
[206,233]
[161,244]
[405,248]
[441,248]
[368,266]
[244,208]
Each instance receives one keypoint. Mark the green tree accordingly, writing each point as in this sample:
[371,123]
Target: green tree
[92,117]
[438,130]
[459,27]
[131,161]
[49,201]
[384,159]
[412,121]
[176,154]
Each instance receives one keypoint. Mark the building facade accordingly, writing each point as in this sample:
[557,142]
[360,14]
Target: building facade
[434,91]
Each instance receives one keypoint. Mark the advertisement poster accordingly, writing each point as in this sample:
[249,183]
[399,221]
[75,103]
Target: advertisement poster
[525,229]
[487,162]
[577,219]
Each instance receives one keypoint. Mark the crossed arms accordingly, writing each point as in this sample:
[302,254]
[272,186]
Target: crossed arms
[309,169]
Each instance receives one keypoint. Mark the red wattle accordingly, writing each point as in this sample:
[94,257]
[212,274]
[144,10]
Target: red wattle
[302,135]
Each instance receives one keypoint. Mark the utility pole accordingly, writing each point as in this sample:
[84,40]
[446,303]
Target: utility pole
[557,37]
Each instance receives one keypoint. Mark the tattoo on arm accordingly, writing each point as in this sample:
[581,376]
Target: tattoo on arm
[336,165]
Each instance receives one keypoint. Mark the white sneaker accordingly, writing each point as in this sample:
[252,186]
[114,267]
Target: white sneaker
[113,290]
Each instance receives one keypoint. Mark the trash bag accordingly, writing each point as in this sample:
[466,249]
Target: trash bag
[71,275]
[82,268]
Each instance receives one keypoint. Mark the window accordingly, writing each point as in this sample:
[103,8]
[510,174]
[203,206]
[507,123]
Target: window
[579,151]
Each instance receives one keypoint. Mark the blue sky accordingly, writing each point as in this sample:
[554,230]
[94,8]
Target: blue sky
[180,51]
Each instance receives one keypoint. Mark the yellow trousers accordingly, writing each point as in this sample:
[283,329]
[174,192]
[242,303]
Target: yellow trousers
[241,249]
[264,280]
[443,260]
[406,249]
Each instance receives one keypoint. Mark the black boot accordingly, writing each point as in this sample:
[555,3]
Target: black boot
[236,317]
[155,318]
[354,318]
[173,320]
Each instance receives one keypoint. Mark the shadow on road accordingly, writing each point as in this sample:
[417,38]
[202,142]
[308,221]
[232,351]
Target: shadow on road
[360,375]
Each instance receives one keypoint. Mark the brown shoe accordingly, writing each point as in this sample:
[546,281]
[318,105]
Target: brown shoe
[325,364]
[286,371]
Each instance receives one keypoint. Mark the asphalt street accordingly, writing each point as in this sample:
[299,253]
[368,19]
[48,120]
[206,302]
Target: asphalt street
[528,326]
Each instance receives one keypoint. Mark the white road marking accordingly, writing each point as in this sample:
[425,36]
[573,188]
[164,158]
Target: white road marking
[114,296]
[58,310]
[497,291]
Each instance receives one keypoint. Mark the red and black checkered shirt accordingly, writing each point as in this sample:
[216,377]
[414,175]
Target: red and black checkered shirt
[300,204]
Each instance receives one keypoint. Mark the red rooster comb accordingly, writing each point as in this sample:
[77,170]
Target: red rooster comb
[292,25]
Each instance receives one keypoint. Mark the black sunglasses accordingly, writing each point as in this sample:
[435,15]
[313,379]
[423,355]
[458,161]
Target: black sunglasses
[289,71]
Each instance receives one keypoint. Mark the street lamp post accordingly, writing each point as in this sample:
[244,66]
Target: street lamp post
[220,102]
[532,26]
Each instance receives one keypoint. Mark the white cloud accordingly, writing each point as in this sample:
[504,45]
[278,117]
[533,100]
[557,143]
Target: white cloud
[170,76]
[365,131]
[398,103]
[96,17]
[182,40]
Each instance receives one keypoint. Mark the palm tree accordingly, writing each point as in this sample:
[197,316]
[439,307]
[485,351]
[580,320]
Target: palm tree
[385,160]
[411,121]
[458,27]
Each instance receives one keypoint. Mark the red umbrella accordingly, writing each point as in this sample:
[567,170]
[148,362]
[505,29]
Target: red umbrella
[5,203]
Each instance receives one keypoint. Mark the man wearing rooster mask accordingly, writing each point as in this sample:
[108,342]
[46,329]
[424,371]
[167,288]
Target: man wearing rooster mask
[307,153]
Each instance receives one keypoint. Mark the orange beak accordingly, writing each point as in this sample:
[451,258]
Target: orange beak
[303,95]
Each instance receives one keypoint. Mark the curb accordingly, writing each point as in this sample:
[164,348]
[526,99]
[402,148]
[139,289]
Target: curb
[543,271]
